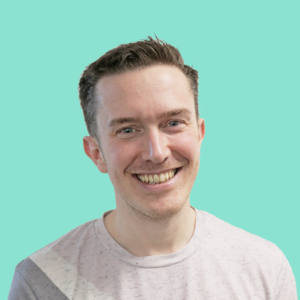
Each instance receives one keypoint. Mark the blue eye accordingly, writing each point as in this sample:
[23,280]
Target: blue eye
[127,130]
[173,123]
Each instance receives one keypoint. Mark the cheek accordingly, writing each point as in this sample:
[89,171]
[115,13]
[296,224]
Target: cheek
[121,155]
[186,145]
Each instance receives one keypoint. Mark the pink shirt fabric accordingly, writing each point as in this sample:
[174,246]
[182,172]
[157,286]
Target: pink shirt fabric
[219,262]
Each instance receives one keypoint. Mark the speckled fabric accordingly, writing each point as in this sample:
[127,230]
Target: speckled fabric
[220,262]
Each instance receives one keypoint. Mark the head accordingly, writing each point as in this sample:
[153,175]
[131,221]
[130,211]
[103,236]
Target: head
[140,106]
[129,57]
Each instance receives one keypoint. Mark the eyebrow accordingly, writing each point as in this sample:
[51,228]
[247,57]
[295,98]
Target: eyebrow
[118,121]
[162,115]
[174,112]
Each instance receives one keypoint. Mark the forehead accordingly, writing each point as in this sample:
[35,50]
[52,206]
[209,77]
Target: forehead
[143,93]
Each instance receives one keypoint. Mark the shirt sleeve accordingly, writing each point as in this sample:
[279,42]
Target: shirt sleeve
[286,284]
[20,289]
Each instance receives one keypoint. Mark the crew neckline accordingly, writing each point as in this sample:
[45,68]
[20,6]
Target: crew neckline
[155,261]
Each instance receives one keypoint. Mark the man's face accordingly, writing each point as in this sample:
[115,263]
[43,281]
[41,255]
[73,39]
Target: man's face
[149,132]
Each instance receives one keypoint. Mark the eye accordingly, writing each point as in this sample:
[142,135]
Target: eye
[127,130]
[174,123]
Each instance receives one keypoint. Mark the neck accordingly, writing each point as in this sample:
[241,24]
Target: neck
[146,237]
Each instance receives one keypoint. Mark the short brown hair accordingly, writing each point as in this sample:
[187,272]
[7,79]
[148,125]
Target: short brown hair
[129,57]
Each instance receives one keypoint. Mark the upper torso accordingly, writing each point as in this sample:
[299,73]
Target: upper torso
[219,262]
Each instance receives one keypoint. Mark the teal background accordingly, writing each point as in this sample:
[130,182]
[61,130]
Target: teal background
[247,55]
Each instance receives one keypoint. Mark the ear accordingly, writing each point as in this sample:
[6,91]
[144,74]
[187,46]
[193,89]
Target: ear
[93,151]
[201,131]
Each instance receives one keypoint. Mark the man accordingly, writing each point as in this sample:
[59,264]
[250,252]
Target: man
[140,104]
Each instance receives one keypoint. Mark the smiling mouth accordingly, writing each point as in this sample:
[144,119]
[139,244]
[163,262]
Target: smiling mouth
[157,178]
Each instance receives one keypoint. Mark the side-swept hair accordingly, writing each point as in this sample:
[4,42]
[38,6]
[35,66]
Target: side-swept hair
[129,57]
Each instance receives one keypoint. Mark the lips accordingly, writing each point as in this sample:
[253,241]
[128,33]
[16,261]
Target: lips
[157,178]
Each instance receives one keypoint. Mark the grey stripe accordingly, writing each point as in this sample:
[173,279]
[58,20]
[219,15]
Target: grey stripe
[30,282]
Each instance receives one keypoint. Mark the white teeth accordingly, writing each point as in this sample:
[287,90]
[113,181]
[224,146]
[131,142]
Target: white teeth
[167,175]
[171,173]
[157,178]
[146,178]
[151,179]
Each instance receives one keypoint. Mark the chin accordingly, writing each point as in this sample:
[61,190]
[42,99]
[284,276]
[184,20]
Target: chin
[159,211]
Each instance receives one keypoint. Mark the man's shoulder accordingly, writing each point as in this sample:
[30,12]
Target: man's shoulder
[76,236]
[246,257]
[66,248]
[52,270]
[49,267]
[238,242]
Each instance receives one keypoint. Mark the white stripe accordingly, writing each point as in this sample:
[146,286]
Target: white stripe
[66,277]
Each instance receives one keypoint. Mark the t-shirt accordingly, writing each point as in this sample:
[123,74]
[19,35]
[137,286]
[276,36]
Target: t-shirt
[219,262]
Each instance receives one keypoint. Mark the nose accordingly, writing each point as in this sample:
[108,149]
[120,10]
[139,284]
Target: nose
[155,147]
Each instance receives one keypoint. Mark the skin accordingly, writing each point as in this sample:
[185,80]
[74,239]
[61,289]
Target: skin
[147,125]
